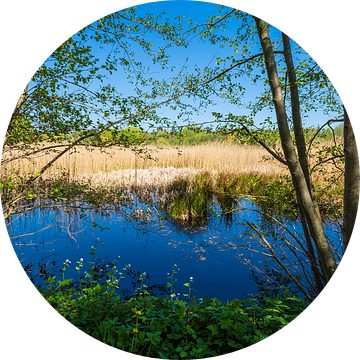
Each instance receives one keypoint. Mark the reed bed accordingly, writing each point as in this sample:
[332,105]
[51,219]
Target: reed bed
[122,169]
[213,156]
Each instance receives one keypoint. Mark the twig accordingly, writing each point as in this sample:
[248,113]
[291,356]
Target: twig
[281,263]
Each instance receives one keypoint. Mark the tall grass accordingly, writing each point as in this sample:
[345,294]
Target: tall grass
[122,169]
[232,169]
[214,156]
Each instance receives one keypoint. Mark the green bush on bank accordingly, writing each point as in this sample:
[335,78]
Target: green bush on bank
[167,328]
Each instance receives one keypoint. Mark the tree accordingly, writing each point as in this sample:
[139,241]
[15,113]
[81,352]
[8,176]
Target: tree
[59,101]
[294,152]
[352,181]
[302,183]
[16,125]
[69,94]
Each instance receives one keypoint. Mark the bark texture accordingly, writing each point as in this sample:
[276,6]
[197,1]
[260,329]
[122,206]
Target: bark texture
[352,180]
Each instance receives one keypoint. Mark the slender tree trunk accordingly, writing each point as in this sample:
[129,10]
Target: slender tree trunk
[314,221]
[303,158]
[296,117]
[352,180]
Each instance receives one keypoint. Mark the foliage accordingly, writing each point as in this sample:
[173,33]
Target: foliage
[278,196]
[69,101]
[70,91]
[196,135]
[165,327]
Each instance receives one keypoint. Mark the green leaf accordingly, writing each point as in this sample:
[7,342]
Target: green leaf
[213,329]
[84,315]
[162,356]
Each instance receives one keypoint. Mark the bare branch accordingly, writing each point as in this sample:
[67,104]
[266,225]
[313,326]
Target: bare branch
[319,130]
[301,288]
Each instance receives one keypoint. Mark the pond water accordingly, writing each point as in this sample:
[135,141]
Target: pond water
[211,254]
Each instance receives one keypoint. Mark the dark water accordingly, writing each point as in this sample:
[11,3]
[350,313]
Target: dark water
[210,254]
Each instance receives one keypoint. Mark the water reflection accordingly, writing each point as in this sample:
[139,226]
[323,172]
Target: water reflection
[221,254]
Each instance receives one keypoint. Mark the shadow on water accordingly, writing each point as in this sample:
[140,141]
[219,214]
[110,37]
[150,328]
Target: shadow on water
[223,257]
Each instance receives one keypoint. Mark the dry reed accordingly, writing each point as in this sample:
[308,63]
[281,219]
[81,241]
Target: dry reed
[215,156]
[122,169]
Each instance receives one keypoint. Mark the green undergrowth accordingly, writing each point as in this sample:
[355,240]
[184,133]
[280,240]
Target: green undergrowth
[167,328]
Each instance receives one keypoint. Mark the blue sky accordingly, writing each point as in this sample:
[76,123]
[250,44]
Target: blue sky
[200,54]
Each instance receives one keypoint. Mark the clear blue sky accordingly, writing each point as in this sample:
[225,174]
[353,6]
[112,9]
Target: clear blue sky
[199,54]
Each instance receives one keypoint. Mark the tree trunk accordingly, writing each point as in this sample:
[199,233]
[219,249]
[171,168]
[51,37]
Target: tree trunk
[352,180]
[303,158]
[311,213]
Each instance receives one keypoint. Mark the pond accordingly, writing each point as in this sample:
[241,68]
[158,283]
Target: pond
[212,254]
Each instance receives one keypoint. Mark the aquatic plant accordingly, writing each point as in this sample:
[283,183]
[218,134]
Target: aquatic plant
[188,200]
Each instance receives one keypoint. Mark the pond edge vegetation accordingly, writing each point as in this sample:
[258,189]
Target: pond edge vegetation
[184,193]
[165,328]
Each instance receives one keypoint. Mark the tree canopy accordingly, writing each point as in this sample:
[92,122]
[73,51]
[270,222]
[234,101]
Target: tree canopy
[78,86]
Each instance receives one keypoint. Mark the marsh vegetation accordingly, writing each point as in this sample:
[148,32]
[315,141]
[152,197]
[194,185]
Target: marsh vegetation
[182,179]
[87,166]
